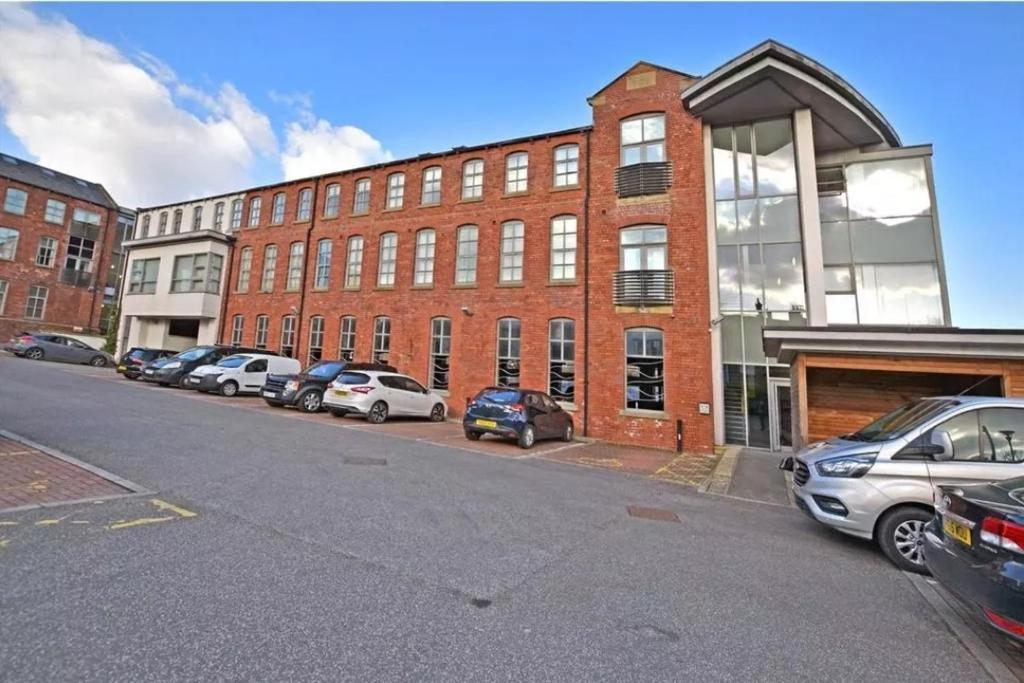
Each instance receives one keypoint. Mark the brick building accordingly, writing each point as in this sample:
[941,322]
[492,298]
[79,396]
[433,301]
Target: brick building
[58,235]
[627,266]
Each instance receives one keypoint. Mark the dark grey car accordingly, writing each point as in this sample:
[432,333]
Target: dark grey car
[56,347]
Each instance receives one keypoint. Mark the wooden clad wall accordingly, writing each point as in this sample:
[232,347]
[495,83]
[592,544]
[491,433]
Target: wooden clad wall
[1013,380]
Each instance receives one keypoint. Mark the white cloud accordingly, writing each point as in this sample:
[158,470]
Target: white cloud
[314,146]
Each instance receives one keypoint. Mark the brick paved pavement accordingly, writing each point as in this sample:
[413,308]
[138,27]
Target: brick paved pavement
[30,477]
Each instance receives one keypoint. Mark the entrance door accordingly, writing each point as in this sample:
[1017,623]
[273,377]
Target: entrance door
[781,414]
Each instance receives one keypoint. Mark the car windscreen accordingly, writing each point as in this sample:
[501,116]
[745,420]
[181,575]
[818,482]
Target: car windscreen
[324,369]
[500,396]
[195,353]
[352,378]
[232,361]
[140,354]
[902,420]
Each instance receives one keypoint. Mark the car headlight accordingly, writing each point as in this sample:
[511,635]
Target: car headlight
[172,365]
[291,385]
[850,466]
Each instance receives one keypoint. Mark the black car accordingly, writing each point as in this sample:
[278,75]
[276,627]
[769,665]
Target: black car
[975,547]
[174,370]
[131,362]
[306,389]
[519,414]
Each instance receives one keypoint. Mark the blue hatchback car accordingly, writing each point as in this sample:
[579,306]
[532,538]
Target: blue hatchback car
[521,414]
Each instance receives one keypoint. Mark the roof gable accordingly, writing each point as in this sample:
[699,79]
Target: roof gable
[640,67]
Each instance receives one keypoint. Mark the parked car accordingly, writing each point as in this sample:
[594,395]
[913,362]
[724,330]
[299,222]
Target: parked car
[56,347]
[975,547]
[877,483]
[519,414]
[174,370]
[242,373]
[305,390]
[131,363]
[377,395]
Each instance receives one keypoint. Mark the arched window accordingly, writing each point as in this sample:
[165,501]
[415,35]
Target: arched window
[354,262]
[295,255]
[645,369]
[237,327]
[508,352]
[244,269]
[262,323]
[424,266]
[146,220]
[642,139]
[431,186]
[347,338]
[277,209]
[269,268]
[562,360]
[381,339]
[316,339]
[255,206]
[305,208]
[466,254]
[396,190]
[387,259]
[361,197]
[236,214]
[322,278]
[517,166]
[218,216]
[197,218]
[288,336]
[513,234]
[473,179]
[176,223]
[162,229]
[440,353]
[332,201]
[563,248]
[567,165]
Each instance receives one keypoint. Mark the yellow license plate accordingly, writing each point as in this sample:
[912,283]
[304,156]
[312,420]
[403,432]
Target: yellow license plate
[340,392]
[490,424]
[120,367]
[956,530]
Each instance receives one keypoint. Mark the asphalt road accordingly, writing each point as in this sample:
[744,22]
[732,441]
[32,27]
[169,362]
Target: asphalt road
[440,565]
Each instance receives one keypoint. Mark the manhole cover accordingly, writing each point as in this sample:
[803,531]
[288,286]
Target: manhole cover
[361,460]
[657,514]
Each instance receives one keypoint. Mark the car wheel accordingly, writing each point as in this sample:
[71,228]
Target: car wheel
[567,433]
[901,537]
[229,388]
[182,382]
[35,354]
[311,401]
[378,413]
[473,436]
[337,412]
[527,437]
[98,362]
[437,413]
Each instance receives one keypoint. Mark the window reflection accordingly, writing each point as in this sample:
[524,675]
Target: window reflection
[899,295]
[882,189]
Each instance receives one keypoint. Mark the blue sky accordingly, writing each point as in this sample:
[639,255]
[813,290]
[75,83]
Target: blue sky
[418,78]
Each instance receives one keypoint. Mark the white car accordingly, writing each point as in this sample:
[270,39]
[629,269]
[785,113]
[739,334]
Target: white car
[241,373]
[378,395]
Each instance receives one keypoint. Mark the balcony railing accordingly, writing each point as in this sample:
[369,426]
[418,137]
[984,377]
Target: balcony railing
[84,230]
[643,287]
[640,179]
[78,278]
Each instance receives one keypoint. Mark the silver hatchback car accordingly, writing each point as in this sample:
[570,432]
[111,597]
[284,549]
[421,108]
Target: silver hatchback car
[877,483]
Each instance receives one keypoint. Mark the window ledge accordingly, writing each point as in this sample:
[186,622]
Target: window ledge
[384,288]
[322,289]
[300,221]
[646,414]
[429,205]
[430,286]
[392,209]
[510,284]
[348,288]
[568,407]
[464,285]
[565,188]
[563,283]
[508,195]
[274,225]
[331,218]
[357,214]
[442,392]
[291,290]
[470,200]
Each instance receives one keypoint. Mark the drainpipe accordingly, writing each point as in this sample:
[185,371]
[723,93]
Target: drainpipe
[586,288]
[99,271]
[227,289]
[305,268]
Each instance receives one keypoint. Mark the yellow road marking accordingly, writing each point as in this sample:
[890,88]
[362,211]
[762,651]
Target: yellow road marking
[8,524]
[600,462]
[138,522]
[165,506]
[80,521]
[51,522]
[4,543]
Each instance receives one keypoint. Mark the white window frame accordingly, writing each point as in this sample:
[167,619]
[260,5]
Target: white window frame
[426,246]
[513,251]
[467,252]
[269,274]
[218,216]
[563,256]
[387,259]
[179,216]
[354,262]
[431,192]
[332,201]
[517,171]
[473,179]
[304,208]
[381,338]
[396,191]
[288,335]
[244,270]
[255,207]
[197,218]
[47,247]
[507,334]
[162,225]
[440,353]
[296,254]
[54,215]
[262,327]
[237,328]
[277,208]
[34,300]
[10,206]
[236,214]
[347,338]
[567,165]
[3,295]
[361,197]
[9,247]
[645,143]
[137,281]
[322,275]
[316,339]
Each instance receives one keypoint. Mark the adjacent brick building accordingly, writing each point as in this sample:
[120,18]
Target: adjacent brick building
[58,235]
[627,266]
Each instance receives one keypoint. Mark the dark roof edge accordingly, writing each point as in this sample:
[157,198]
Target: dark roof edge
[801,61]
[179,238]
[378,165]
[50,187]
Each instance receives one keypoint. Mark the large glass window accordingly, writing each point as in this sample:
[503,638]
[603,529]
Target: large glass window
[332,201]
[35,304]
[381,339]
[567,159]
[473,179]
[288,336]
[440,353]
[244,269]
[316,339]
[354,263]
[277,209]
[255,206]
[296,253]
[197,273]
[269,268]
[645,370]
[424,267]
[347,338]
[305,209]
[431,185]
[643,139]
[562,360]
[387,259]
[80,254]
[46,252]
[55,211]
[513,242]
[142,278]
[643,247]
[361,197]
[563,248]
[15,201]
[517,166]
[396,190]
[322,279]
[466,254]
[262,323]
[877,232]
[508,352]
[86,216]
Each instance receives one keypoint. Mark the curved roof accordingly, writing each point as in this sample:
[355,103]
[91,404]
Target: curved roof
[772,79]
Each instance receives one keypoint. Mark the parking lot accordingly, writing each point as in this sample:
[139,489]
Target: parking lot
[307,547]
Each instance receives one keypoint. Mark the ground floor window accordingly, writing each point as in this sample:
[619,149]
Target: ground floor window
[288,336]
[35,304]
[562,360]
[347,340]
[381,339]
[262,323]
[645,370]
[440,352]
[747,403]
[237,325]
[316,338]
[183,327]
[508,352]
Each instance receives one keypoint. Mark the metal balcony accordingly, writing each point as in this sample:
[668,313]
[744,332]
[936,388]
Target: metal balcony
[636,180]
[643,288]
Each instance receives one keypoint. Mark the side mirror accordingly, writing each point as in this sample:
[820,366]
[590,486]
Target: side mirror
[942,444]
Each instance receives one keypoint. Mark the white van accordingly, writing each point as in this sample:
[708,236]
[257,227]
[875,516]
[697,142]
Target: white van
[241,373]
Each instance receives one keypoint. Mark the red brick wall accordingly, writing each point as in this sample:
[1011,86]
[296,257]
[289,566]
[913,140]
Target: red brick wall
[474,337]
[67,307]
[685,328]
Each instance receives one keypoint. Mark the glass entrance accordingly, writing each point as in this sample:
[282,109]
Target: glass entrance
[781,414]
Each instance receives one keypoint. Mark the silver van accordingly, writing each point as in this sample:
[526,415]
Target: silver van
[877,483]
